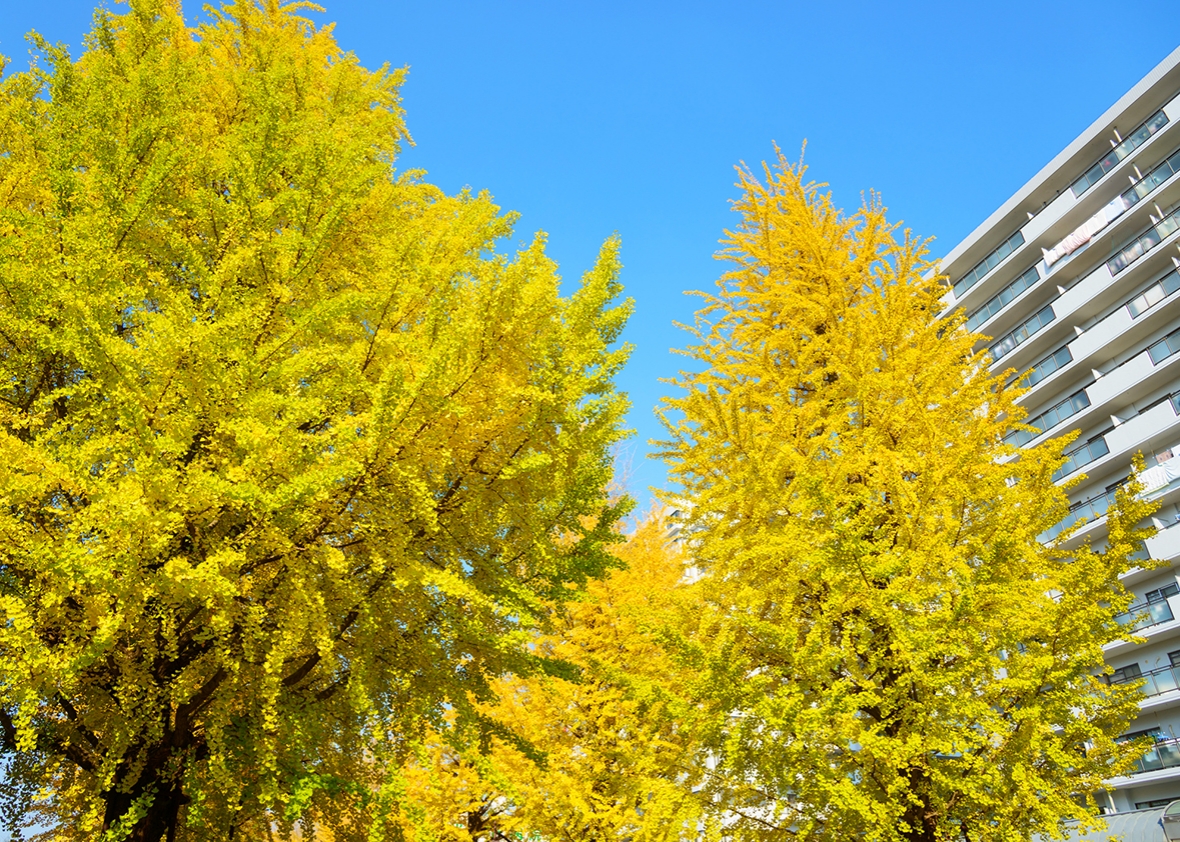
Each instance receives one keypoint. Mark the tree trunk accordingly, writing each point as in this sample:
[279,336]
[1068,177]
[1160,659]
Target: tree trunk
[162,817]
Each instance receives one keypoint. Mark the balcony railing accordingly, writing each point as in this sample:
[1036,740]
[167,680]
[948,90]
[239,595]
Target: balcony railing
[1084,234]
[1082,513]
[999,301]
[1081,456]
[1014,339]
[1043,368]
[994,259]
[1144,186]
[1143,243]
[1165,348]
[1154,294]
[1051,417]
[1149,127]
[1165,754]
[1158,682]
[1145,615]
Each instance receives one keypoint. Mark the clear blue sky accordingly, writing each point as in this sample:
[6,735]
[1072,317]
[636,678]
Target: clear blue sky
[592,118]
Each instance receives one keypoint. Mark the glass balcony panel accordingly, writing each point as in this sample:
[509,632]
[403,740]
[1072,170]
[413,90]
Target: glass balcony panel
[1144,616]
[1163,349]
[1119,152]
[1149,687]
[1151,761]
[988,263]
[1084,455]
[1160,612]
[1169,754]
[1163,681]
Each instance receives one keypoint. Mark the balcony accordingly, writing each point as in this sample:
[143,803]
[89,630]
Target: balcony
[1144,242]
[1003,298]
[1158,682]
[997,256]
[1157,482]
[1050,418]
[1165,754]
[1165,544]
[1132,142]
[1124,322]
[1012,340]
[1130,375]
[1080,513]
[1082,236]
[1079,457]
[1145,615]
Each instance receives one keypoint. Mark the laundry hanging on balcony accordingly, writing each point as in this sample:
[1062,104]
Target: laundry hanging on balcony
[1160,475]
[1082,235]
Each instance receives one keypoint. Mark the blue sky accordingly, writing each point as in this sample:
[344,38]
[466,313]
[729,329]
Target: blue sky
[595,118]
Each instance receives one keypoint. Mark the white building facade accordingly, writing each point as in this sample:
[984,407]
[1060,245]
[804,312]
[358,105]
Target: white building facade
[1077,280]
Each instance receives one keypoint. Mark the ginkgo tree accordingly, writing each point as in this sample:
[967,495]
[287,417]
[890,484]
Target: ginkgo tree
[608,750]
[895,654]
[293,458]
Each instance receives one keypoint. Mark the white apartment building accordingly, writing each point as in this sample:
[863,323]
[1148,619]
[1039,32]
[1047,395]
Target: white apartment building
[1077,280]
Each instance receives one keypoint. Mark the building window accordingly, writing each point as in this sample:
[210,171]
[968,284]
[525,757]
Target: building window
[1143,243]
[1174,658]
[1048,365]
[1155,733]
[1010,342]
[1163,349]
[1152,804]
[1152,180]
[1132,142]
[1154,294]
[988,263]
[1079,457]
[1160,594]
[1123,675]
[1051,417]
[1006,295]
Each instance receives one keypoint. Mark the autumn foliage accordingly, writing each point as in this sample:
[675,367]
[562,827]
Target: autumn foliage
[307,531]
[894,653]
[294,458]
[604,752]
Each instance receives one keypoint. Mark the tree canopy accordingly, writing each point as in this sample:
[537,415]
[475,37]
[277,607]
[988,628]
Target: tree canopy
[894,654]
[605,753]
[295,459]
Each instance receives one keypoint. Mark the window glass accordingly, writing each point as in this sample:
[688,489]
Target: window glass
[1006,295]
[1095,448]
[988,263]
[1009,343]
[1154,733]
[1143,243]
[1153,803]
[1163,349]
[1124,674]
[1160,594]
[1129,144]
